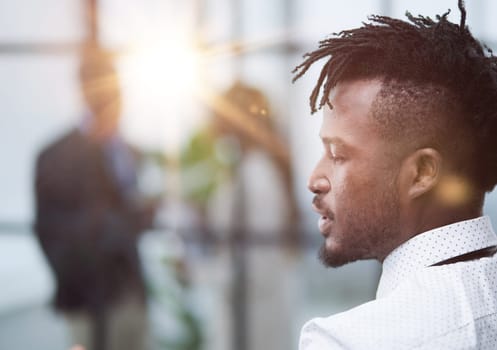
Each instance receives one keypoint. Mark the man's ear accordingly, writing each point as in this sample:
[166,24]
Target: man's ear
[420,172]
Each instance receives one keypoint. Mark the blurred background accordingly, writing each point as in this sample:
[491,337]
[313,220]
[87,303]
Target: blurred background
[226,143]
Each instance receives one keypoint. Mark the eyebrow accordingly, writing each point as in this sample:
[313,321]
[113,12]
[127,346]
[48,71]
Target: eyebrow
[338,142]
[334,140]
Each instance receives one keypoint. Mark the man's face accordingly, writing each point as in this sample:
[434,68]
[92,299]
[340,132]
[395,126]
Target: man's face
[355,180]
[103,98]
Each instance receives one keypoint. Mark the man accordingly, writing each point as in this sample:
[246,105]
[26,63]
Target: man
[409,125]
[89,215]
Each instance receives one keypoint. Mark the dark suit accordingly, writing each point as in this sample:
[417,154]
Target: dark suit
[86,225]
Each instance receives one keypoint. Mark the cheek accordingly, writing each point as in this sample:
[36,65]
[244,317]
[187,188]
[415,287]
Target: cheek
[356,188]
[347,182]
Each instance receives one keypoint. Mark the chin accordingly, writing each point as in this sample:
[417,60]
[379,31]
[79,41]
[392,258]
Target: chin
[334,257]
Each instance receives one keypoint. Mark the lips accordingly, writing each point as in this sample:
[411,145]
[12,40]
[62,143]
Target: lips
[324,224]
[326,218]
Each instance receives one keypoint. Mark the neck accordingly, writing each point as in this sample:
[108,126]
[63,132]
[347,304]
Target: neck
[432,215]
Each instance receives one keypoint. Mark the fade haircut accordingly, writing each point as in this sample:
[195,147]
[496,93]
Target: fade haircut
[439,86]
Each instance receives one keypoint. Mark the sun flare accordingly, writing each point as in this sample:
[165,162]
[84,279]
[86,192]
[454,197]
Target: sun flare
[169,68]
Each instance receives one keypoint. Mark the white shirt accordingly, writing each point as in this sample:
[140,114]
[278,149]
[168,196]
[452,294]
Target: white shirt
[419,306]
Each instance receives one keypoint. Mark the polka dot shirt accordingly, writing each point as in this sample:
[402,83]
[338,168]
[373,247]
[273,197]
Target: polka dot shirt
[420,306]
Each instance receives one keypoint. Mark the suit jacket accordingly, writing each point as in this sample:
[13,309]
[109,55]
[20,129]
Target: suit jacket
[87,227]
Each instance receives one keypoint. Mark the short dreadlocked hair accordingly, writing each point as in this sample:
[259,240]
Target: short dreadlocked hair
[439,85]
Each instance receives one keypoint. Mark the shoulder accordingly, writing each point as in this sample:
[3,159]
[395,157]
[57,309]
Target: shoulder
[60,157]
[380,324]
[420,312]
[70,138]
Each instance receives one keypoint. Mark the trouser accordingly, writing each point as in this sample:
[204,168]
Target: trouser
[123,326]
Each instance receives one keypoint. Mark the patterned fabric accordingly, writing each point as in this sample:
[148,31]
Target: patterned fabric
[419,306]
[434,246]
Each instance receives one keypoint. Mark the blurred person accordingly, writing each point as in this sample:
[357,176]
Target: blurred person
[254,212]
[89,215]
[408,132]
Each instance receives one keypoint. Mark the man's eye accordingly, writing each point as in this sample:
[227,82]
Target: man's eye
[336,159]
[332,153]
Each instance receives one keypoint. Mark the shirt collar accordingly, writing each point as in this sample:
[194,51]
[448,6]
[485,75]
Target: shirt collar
[434,246]
[85,126]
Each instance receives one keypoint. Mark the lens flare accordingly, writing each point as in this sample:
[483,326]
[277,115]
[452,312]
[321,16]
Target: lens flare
[454,190]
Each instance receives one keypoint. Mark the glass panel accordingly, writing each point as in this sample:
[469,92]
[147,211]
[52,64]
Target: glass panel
[317,19]
[39,99]
[41,21]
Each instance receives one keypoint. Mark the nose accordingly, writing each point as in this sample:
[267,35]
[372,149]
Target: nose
[318,183]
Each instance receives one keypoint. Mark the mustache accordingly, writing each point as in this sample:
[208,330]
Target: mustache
[319,205]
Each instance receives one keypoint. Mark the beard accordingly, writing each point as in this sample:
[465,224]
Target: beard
[369,232]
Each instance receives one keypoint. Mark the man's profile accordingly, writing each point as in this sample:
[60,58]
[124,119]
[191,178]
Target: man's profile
[410,149]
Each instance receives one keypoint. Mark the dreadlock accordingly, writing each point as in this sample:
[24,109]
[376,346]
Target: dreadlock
[432,68]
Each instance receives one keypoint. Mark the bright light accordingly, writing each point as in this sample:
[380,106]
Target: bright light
[168,68]
[454,190]
[161,79]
